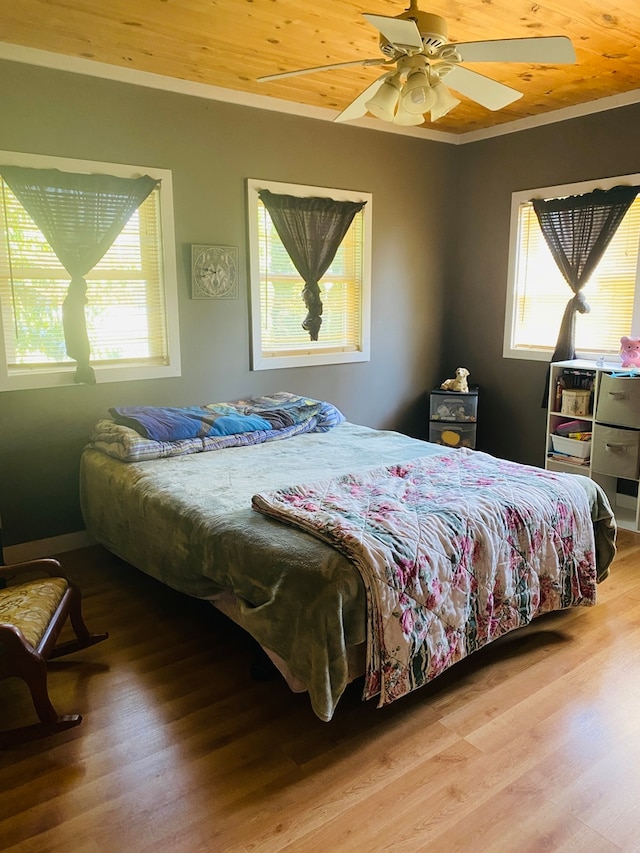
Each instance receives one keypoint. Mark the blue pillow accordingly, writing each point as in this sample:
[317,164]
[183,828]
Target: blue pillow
[232,424]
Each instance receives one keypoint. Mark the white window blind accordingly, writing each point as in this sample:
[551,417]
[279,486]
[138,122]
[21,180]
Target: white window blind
[277,306]
[130,330]
[282,309]
[539,292]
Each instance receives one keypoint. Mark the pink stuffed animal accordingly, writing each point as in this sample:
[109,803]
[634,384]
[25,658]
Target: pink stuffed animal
[630,351]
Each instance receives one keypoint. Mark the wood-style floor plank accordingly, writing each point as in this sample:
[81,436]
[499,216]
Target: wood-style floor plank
[532,744]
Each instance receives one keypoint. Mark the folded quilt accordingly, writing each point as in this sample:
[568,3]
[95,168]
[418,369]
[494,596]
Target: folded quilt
[139,433]
[453,551]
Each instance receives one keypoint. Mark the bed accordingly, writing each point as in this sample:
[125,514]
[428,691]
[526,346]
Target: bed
[268,523]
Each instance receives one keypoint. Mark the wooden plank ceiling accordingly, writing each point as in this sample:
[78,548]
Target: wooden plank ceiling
[229,43]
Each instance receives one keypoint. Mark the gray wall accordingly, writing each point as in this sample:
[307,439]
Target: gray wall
[211,148]
[511,420]
[440,246]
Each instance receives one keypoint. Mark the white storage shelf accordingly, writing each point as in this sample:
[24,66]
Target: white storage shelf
[611,412]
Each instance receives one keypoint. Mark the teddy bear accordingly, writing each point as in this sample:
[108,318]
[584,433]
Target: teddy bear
[630,351]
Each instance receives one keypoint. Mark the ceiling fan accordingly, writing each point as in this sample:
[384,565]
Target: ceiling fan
[419,57]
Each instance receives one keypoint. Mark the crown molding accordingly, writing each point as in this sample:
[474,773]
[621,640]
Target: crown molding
[611,102]
[78,65]
[89,67]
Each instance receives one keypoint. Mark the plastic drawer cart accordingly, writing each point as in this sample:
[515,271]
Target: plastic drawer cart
[453,416]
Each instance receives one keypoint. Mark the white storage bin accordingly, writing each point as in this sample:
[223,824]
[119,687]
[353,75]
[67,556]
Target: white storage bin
[571,446]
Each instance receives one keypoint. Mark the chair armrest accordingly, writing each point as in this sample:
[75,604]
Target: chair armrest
[46,566]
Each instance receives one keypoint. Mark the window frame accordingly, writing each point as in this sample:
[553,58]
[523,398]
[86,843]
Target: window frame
[310,358]
[557,191]
[37,376]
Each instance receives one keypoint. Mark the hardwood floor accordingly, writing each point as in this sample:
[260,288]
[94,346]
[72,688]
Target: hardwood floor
[533,744]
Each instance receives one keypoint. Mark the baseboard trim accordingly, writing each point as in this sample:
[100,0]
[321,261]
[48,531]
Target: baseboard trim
[47,547]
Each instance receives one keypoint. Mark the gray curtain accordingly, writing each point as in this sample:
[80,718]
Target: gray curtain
[80,217]
[578,230]
[311,230]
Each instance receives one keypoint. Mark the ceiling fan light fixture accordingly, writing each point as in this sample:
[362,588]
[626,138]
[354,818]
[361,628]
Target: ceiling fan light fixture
[444,102]
[417,95]
[417,43]
[383,103]
[402,117]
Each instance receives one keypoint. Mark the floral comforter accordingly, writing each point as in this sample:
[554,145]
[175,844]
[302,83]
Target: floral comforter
[454,552]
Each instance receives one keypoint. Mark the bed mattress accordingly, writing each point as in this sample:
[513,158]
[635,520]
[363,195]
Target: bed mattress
[188,522]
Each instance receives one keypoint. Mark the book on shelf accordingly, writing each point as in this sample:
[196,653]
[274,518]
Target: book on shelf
[567,457]
[578,378]
[573,380]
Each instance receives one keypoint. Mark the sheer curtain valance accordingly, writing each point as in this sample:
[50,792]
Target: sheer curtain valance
[80,216]
[311,230]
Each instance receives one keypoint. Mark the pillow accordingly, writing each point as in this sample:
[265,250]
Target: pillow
[233,424]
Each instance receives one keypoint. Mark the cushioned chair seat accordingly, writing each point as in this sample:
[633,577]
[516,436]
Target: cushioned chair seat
[32,615]
[30,606]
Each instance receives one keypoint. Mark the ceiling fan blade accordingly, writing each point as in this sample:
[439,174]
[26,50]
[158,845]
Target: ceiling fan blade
[361,62]
[483,90]
[357,108]
[537,49]
[400,32]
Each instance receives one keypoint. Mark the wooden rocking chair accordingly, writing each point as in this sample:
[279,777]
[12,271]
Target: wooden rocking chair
[32,614]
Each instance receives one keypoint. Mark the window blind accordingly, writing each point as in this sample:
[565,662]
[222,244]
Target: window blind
[542,292]
[125,310]
[282,308]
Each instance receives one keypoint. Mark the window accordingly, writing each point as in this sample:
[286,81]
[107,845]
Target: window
[131,311]
[537,292]
[277,308]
